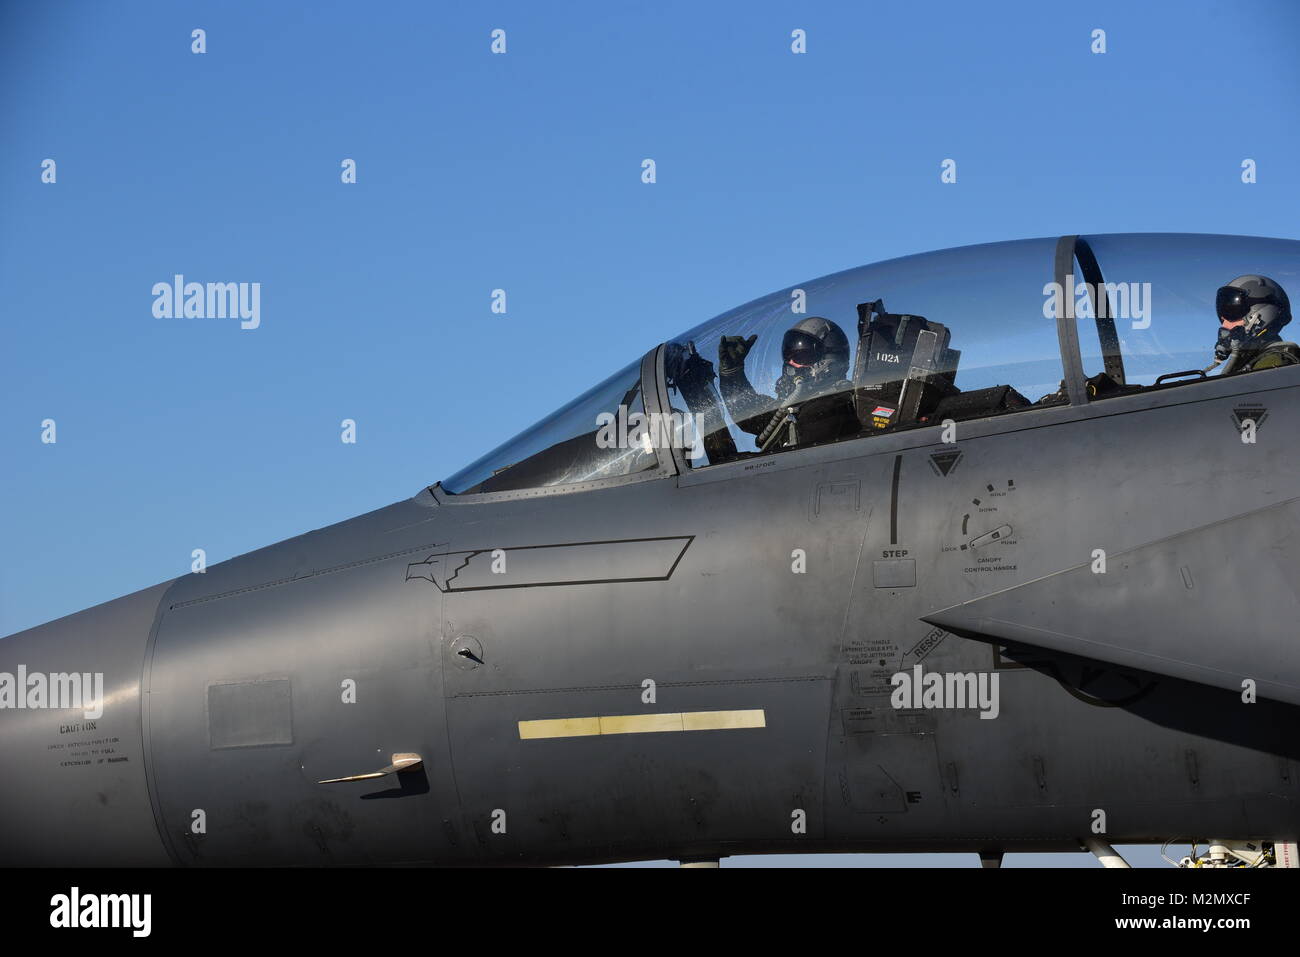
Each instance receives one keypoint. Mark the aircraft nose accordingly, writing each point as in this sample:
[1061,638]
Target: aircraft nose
[71,744]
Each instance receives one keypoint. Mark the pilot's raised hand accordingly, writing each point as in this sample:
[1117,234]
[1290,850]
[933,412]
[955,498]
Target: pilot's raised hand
[732,351]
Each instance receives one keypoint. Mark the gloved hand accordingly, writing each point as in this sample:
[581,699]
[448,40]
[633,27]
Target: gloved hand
[732,351]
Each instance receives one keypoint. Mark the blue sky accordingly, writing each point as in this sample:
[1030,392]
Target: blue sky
[520,172]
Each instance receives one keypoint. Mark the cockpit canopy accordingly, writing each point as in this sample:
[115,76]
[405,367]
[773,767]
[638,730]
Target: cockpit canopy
[952,335]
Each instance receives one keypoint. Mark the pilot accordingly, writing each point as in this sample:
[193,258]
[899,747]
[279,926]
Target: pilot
[1251,310]
[813,402]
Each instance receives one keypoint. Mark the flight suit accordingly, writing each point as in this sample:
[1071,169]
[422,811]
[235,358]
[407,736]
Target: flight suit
[824,418]
[1273,355]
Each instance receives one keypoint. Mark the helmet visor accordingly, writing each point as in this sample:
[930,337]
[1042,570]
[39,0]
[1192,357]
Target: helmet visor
[1232,303]
[800,349]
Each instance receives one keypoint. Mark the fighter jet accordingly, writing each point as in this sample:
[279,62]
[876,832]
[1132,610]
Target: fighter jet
[981,550]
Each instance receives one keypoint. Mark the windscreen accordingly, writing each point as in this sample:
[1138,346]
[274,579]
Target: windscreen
[592,437]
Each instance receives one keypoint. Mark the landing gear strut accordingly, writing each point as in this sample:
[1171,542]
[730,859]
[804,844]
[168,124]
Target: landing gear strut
[1108,856]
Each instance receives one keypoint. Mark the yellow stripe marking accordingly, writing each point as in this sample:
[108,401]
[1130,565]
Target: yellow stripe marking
[559,728]
[642,723]
[639,723]
[723,720]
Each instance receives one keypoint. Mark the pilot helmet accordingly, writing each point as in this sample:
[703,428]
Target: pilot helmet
[1260,301]
[815,348]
